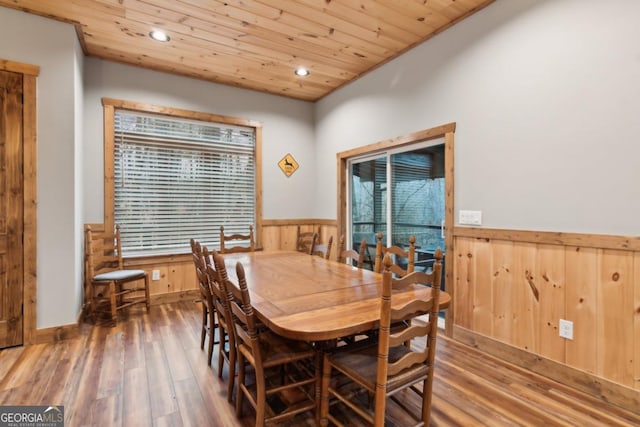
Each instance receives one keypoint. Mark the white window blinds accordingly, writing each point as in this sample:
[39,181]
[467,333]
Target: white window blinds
[177,179]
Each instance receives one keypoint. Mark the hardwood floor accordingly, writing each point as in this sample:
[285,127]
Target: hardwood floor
[149,370]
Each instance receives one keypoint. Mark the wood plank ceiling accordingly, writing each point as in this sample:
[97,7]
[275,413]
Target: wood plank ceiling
[256,44]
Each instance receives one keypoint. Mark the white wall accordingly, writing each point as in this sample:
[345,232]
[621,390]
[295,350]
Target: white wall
[546,97]
[51,45]
[287,128]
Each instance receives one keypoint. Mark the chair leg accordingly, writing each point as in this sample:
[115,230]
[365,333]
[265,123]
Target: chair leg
[261,397]
[212,335]
[203,331]
[92,302]
[222,333]
[426,398]
[239,392]
[146,292]
[113,301]
[232,372]
[324,392]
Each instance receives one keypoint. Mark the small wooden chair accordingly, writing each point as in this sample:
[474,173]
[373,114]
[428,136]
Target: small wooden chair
[323,251]
[294,361]
[388,365]
[398,254]
[245,238]
[110,286]
[352,254]
[217,273]
[209,324]
[306,241]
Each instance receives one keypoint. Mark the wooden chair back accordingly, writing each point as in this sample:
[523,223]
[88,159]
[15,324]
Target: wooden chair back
[102,251]
[110,287]
[323,251]
[386,367]
[246,322]
[209,324]
[387,341]
[201,270]
[352,254]
[217,272]
[398,255]
[243,242]
[306,241]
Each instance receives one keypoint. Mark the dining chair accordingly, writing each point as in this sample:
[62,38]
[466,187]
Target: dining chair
[209,324]
[385,366]
[306,241]
[352,254]
[217,273]
[294,362]
[403,261]
[110,286]
[237,238]
[322,250]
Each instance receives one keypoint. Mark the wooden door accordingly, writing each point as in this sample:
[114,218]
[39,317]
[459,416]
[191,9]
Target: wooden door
[11,209]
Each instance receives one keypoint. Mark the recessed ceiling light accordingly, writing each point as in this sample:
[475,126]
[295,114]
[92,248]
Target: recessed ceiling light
[160,36]
[302,72]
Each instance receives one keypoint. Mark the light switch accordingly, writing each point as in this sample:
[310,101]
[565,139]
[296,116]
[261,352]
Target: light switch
[470,217]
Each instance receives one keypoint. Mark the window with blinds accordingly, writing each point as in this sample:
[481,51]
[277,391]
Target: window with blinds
[177,179]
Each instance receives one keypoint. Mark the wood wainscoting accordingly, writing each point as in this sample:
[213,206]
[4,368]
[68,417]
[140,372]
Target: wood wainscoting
[514,287]
[282,233]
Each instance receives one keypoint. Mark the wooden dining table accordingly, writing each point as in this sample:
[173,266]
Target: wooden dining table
[309,298]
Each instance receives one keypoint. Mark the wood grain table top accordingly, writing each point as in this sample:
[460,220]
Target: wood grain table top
[306,297]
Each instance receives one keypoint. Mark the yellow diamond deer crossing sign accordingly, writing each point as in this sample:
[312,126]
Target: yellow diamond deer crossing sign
[288,165]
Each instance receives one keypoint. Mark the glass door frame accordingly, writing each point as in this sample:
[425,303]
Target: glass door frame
[387,154]
[343,163]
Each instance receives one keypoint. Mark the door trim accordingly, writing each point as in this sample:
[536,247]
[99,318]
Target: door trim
[445,131]
[29,196]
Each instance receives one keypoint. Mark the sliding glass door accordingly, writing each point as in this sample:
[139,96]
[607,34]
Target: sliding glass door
[399,193]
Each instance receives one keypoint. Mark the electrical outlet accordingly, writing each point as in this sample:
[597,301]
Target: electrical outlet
[155,275]
[470,217]
[566,329]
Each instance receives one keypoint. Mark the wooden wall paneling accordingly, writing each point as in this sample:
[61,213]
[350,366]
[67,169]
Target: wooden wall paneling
[270,238]
[161,286]
[182,277]
[289,235]
[580,306]
[502,289]
[601,241]
[482,292]
[596,285]
[614,332]
[464,280]
[636,320]
[525,297]
[550,277]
